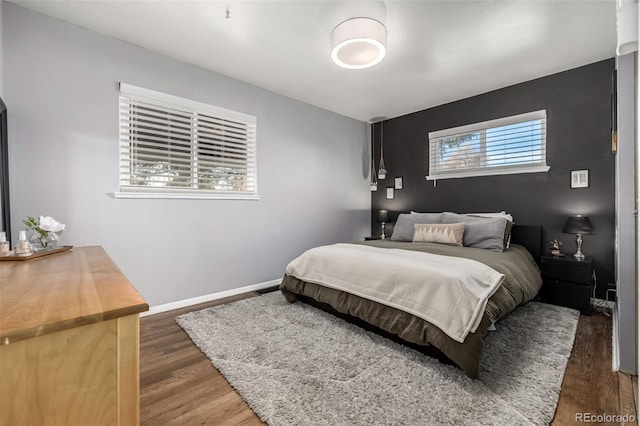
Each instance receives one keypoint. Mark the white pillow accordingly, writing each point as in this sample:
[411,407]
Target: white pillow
[498,214]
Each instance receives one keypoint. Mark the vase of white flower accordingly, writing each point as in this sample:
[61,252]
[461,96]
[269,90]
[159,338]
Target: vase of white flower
[43,242]
[45,235]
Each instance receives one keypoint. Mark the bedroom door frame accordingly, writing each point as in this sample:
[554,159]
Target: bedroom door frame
[625,316]
[5,214]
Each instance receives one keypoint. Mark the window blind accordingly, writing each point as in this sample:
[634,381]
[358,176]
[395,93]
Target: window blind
[175,145]
[515,144]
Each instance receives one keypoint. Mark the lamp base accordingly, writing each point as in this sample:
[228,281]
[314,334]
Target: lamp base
[579,254]
[382,236]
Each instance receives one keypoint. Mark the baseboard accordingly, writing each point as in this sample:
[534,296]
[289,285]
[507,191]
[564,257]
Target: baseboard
[615,351]
[209,297]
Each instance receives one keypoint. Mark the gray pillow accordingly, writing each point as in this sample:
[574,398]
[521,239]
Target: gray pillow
[479,232]
[404,227]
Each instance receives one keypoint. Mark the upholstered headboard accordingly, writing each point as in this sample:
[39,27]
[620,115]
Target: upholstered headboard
[530,237]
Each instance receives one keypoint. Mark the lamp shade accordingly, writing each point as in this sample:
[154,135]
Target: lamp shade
[383,216]
[358,43]
[578,225]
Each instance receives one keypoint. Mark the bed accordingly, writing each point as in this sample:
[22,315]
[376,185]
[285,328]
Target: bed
[521,283]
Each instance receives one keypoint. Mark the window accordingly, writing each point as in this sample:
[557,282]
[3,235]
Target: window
[509,145]
[174,147]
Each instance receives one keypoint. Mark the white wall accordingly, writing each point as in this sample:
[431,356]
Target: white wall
[62,98]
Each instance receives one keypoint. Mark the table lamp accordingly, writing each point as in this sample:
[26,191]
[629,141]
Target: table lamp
[383,217]
[578,225]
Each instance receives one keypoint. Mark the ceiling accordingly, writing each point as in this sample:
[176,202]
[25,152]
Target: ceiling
[437,51]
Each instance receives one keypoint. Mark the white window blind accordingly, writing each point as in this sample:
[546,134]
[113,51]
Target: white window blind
[170,146]
[509,145]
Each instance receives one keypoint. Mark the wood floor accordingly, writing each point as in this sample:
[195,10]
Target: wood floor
[179,386]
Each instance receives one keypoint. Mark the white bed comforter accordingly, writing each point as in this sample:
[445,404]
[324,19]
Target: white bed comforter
[449,292]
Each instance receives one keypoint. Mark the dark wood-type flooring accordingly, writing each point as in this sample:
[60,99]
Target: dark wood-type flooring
[180,386]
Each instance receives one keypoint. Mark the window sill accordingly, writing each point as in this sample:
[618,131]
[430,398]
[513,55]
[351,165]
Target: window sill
[185,196]
[489,172]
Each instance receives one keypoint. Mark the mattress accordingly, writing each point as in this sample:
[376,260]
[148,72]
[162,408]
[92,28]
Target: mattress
[521,284]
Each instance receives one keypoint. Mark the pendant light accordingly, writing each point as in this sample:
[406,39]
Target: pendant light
[382,171]
[374,180]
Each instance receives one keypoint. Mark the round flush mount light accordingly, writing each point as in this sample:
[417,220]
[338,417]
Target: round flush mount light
[358,43]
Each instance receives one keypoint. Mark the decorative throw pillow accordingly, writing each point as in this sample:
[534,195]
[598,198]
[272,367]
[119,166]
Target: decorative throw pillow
[450,233]
[486,233]
[403,229]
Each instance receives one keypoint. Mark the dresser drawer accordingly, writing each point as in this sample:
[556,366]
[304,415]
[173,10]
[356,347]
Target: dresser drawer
[574,272]
[567,294]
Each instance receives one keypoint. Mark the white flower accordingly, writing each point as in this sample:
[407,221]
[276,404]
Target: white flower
[49,224]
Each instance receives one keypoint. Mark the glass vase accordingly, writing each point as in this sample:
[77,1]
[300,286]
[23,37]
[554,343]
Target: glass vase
[40,242]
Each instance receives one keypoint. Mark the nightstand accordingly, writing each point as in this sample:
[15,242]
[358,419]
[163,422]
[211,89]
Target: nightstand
[567,281]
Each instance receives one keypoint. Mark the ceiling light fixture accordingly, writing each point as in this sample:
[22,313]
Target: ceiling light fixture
[358,43]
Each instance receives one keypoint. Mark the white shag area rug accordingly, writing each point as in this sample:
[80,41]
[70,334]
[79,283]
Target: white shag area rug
[297,365]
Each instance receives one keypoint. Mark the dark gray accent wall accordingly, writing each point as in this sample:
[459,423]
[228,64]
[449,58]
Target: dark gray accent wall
[578,105]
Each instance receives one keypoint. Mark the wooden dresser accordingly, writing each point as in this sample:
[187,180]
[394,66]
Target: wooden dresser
[69,341]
